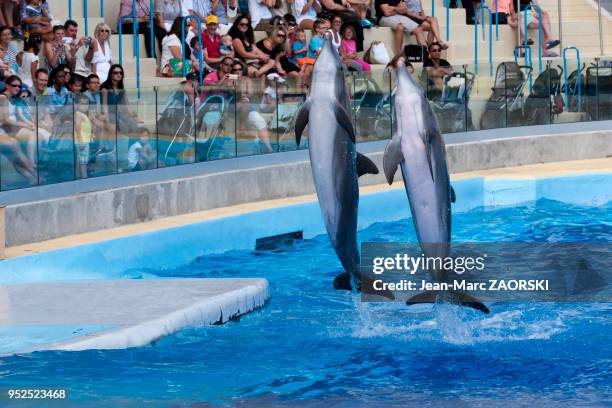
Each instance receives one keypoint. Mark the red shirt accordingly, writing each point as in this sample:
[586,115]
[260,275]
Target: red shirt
[211,44]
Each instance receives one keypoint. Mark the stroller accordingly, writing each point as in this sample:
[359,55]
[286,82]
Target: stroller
[366,97]
[574,93]
[283,120]
[505,105]
[451,108]
[598,91]
[545,99]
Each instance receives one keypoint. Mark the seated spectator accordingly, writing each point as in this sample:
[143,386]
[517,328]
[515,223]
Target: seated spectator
[436,69]
[76,84]
[221,76]
[343,9]
[58,93]
[316,39]
[260,13]
[274,46]
[22,132]
[115,102]
[141,155]
[28,62]
[23,113]
[226,48]
[104,131]
[305,12]
[8,53]
[102,56]
[143,14]
[395,14]
[348,51]
[196,53]
[56,51]
[9,147]
[300,54]
[41,79]
[548,41]
[83,135]
[505,14]
[427,23]
[211,42]
[36,20]
[362,7]
[172,49]
[7,8]
[243,40]
[166,12]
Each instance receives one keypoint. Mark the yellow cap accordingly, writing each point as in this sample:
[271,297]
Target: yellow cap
[212,19]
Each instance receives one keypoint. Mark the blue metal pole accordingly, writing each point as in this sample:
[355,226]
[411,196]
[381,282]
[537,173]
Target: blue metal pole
[476,48]
[447,20]
[120,29]
[496,21]
[183,45]
[101,8]
[70,9]
[578,79]
[531,7]
[482,21]
[490,38]
[85,13]
[151,30]
[134,26]
[433,8]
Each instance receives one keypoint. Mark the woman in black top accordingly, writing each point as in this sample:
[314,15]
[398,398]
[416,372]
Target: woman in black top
[274,47]
[243,40]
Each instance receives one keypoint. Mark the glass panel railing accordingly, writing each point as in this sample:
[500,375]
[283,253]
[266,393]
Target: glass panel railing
[215,122]
[290,97]
[102,151]
[253,135]
[57,155]
[449,90]
[599,80]
[370,96]
[176,124]
[485,104]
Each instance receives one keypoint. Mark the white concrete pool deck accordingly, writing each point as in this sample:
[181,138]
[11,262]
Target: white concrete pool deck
[131,312]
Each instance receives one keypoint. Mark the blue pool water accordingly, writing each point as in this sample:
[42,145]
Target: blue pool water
[312,345]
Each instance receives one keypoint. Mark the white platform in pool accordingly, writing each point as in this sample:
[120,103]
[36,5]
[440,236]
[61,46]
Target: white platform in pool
[112,314]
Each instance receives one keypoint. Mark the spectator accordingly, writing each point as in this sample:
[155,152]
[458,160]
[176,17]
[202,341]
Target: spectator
[221,76]
[58,92]
[362,7]
[221,9]
[469,6]
[143,14]
[196,52]
[316,40]
[40,84]
[37,20]
[7,8]
[23,114]
[342,8]
[274,47]
[280,8]
[211,42]
[427,23]
[226,49]
[80,50]
[348,51]
[243,41]
[172,48]
[548,42]
[305,12]
[102,56]
[22,132]
[9,59]
[28,62]
[141,155]
[395,14]
[10,148]
[505,13]
[300,54]
[260,13]
[83,134]
[56,51]
[102,128]
[436,69]
[166,13]
[115,101]
[76,85]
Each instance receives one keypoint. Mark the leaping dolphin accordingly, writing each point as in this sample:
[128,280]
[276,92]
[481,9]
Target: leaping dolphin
[417,146]
[335,163]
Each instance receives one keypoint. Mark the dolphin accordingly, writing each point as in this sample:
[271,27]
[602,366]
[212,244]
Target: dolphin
[418,148]
[335,163]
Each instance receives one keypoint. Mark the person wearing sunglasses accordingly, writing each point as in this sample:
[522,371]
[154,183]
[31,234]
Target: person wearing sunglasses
[436,68]
[222,76]
[102,55]
[243,40]
[274,46]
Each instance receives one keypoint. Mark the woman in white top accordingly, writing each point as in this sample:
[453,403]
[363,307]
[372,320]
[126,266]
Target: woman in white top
[29,62]
[102,56]
[305,12]
[171,47]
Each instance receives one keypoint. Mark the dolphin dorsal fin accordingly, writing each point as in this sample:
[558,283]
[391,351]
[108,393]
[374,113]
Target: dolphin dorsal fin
[301,120]
[392,158]
[365,165]
[344,119]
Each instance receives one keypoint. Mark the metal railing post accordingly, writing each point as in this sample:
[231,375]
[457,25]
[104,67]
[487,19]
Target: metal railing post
[151,28]
[476,47]
[496,21]
[560,18]
[136,44]
[183,45]
[70,9]
[433,8]
[578,80]
[85,16]
[447,4]
[601,42]
[490,38]
[102,8]
[532,7]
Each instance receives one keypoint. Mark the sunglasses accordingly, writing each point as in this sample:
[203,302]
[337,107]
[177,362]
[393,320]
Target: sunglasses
[105,31]
[281,35]
[227,64]
[337,22]
[436,50]
[14,85]
[238,69]
[243,25]
[117,73]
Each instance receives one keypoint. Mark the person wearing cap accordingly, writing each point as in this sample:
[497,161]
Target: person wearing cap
[143,14]
[211,41]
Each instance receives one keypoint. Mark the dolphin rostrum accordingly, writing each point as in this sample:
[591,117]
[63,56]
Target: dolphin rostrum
[335,163]
[418,148]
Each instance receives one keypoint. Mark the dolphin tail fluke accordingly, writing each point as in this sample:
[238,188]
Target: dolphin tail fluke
[301,121]
[343,282]
[365,165]
[391,159]
[455,297]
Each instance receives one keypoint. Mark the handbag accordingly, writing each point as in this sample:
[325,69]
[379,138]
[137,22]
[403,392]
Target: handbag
[377,54]
[176,67]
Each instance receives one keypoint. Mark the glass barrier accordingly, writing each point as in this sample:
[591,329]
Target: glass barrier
[64,137]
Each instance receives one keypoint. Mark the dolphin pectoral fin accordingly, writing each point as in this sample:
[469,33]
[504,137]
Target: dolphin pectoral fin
[301,120]
[463,299]
[429,152]
[365,165]
[391,159]
[344,120]
[366,285]
[430,296]
[453,195]
[343,282]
